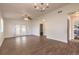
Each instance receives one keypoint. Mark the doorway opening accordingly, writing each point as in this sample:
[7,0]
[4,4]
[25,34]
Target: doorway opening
[74,26]
[41,30]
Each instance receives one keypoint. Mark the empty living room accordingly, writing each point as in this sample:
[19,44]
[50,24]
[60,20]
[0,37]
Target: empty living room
[39,28]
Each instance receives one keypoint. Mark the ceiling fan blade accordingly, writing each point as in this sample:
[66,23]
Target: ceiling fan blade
[29,18]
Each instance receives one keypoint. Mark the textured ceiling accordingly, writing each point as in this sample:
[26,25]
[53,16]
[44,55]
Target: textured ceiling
[17,10]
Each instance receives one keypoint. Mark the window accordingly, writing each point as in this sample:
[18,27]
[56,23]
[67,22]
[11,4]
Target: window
[1,25]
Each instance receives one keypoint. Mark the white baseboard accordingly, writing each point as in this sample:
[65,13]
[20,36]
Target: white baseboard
[65,41]
[15,36]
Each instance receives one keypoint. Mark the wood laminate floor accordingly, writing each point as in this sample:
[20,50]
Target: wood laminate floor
[33,45]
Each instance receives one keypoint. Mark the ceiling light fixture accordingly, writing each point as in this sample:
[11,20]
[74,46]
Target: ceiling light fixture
[26,19]
[41,6]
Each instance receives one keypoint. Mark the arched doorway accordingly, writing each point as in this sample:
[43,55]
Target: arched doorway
[73,19]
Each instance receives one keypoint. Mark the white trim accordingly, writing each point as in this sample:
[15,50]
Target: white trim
[65,41]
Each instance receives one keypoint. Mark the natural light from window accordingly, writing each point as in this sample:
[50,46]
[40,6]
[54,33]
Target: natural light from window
[1,25]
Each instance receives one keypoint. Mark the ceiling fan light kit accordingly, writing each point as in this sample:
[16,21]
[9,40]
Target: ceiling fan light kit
[26,19]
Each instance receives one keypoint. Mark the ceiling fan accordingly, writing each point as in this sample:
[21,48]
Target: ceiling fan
[27,17]
[24,16]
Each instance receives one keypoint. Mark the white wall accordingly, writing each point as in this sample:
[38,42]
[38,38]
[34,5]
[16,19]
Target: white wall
[9,27]
[56,24]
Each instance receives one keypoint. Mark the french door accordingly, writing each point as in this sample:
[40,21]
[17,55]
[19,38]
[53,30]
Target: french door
[20,30]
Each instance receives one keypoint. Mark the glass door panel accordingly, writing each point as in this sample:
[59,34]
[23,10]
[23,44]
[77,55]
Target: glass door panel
[18,30]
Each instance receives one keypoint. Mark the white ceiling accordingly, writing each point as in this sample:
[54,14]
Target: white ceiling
[17,10]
